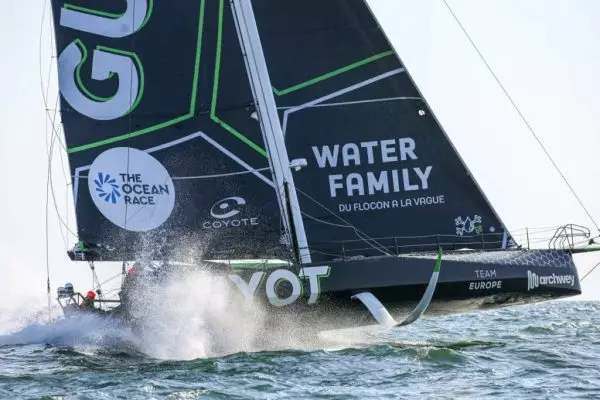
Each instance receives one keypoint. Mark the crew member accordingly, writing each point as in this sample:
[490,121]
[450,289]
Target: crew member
[88,301]
[129,282]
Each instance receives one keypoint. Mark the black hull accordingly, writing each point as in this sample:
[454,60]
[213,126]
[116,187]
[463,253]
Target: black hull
[468,281]
[318,297]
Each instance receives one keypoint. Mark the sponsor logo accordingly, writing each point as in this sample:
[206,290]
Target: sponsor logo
[226,214]
[468,225]
[283,287]
[534,280]
[387,168]
[485,285]
[107,64]
[224,209]
[107,188]
[131,189]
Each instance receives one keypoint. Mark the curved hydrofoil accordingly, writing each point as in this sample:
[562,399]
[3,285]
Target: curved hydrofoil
[382,315]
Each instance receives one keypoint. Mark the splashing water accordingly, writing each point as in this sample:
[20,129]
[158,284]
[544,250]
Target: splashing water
[91,331]
[190,314]
[197,314]
[187,316]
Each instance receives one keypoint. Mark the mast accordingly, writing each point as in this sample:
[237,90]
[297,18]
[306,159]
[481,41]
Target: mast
[293,238]
[271,127]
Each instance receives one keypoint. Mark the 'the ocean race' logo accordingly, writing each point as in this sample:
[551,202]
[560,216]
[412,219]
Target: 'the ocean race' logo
[107,188]
[131,189]
[534,280]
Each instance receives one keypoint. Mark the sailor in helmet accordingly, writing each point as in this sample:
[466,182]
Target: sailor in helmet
[88,301]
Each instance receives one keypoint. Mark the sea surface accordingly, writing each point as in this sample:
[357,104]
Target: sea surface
[544,351]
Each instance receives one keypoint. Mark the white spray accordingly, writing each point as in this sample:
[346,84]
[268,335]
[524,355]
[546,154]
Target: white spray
[192,314]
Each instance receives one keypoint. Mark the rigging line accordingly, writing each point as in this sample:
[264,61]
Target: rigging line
[50,156]
[63,236]
[50,29]
[55,130]
[48,248]
[45,95]
[67,208]
[52,117]
[48,289]
[96,282]
[56,134]
[112,278]
[326,222]
[47,119]
[52,55]
[45,92]
[342,219]
[529,127]
[58,214]
[590,271]
[339,256]
[51,188]
[362,239]
[45,6]
[368,240]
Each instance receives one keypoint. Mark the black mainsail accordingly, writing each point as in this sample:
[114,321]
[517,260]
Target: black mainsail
[164,146]
[382,177]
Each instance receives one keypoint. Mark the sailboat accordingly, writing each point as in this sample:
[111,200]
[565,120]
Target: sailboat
[285,145]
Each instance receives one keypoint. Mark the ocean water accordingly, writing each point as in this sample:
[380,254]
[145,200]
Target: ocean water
[543,351]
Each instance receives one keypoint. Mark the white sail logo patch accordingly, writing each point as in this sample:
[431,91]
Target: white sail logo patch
[131,189]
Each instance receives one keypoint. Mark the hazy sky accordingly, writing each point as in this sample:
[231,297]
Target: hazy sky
[545,52]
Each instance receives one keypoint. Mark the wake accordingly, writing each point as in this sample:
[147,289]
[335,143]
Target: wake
[89,331]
